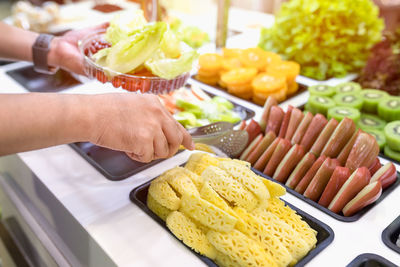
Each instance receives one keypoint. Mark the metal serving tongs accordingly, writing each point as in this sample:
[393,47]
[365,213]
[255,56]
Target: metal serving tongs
[221,137]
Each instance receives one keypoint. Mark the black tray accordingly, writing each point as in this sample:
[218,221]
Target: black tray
[5,62]
[370,260]
[38,82]
[114,165]
[325,234]
[390,235]
[302,88]
[338,216]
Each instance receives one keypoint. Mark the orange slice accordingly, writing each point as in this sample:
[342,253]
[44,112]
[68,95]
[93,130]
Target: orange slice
[207,80]
[207,73]
[231,63]
[254,57]
[272,58]
[240,89]
[231,52]
[290,68]
[239,76]
[265,83]
[292,88]
[210,62]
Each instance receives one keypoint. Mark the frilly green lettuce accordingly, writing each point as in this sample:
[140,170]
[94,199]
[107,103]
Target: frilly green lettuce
[121,26]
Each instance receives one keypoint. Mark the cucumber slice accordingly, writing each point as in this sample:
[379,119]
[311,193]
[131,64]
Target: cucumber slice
[322,90]
[372,97]
[339,113]
[368,121]
[379,136]
[392,134]
[352,100]
[391,153]
[320,104]
[389,108]
[350,87]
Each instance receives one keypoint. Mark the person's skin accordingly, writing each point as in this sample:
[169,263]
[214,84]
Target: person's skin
[136,124]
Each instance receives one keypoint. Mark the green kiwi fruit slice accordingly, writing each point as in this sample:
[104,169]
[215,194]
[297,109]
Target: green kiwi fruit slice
[350,87]
[368,121]
[339,113]
[320,104]
[352,100]
[372,97]
[391,153]
[392,134]
[379,136]
[322,90]
[389,108]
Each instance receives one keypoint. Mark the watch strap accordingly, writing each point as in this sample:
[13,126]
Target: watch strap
[40,50]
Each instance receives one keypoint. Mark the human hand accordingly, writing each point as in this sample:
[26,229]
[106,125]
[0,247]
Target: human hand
[138,125]
[64,51]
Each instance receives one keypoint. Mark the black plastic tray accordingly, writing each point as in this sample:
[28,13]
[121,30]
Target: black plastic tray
[390,235]
[302,88]
[114,165]
[370,260]
[38,82]
[325,234]
[338,216]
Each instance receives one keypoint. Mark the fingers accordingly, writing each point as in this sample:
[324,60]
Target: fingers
[174,136]
[160,144]
[187,138]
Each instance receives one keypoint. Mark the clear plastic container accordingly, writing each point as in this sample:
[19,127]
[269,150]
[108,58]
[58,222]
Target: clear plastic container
[134,83]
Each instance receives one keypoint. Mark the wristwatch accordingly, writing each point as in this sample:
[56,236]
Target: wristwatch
[40,50]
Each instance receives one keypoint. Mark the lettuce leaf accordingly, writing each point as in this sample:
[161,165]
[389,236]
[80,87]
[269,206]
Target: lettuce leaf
[121,26]
[129,53]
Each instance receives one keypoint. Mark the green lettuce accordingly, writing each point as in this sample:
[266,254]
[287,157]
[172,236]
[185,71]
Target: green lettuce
[327,38]
[170,45]
[121,26]
[129,53]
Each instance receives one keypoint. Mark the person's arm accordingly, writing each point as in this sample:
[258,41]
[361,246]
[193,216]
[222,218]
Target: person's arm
[136,124]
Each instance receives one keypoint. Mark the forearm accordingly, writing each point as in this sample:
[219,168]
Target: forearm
[33,121]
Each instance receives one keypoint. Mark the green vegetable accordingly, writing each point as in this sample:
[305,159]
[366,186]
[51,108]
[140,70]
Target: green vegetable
[129,53]
[170,45]
[123,26]
[185,105]
[187,119]
[169,68]
[191,35]
[222,101]
[327,38]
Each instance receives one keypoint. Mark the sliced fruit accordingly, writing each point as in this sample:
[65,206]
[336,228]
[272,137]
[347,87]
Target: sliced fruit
[301,169]
[320,180]
[353,100]
[375,166]
[261,147]
[269,83]
[320,104]
[372,98]
[305,181]
[301,130]
[253,129]
[349,87]
[386,175]
[337,180]
[339,113]
[368,195]
[391,153]
[344,154]
[275,119]
[322,90]
[265,157]
[314,129]
[281,149]
[389,108]
[368,121]
[339,138]
[239,76]
[251,147]
[357,181]
[254,57]
[324,137]
[285,122]
[295,119]
[363,153]
[392,134]
[379,137]
[210,62]
[288,163]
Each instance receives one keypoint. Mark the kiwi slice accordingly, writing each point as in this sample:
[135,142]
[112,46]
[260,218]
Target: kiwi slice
[320,104]
[391,153]
[392,134]
[322,90]
[372,97]
[339,113]
[379,136]
[350,87]
[352,100]
[368,121]
[389,108]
